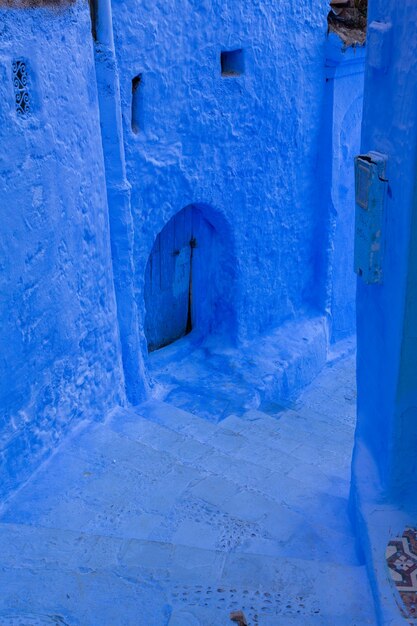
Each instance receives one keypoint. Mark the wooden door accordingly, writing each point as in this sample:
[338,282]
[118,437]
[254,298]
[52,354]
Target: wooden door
[168,282]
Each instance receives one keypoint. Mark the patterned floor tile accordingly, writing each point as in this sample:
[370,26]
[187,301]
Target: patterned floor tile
[401,555]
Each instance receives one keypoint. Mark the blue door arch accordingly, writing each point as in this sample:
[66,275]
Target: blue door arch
[178,281]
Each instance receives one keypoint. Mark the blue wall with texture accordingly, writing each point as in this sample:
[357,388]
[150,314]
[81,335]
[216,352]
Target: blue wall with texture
[245,145]
[60,353]
[386,313]
[85,192]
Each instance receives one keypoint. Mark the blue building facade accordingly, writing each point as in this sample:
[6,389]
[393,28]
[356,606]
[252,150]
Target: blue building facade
[118,121]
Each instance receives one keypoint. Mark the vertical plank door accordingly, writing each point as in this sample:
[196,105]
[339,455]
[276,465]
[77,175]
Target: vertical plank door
[167,282]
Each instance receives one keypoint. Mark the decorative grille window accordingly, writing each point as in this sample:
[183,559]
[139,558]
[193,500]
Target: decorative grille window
[20,82]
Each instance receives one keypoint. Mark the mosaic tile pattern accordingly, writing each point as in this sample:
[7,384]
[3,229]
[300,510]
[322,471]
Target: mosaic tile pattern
[401,555]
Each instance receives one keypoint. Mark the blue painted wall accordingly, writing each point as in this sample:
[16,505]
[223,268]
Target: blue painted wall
[85,194]
[387,317]
[384,468]
[60,354]
[244,146]
[340,142]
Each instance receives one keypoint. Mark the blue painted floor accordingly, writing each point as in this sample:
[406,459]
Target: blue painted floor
[166,516]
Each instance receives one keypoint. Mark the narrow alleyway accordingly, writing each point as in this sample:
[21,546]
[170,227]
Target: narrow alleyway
[165,516]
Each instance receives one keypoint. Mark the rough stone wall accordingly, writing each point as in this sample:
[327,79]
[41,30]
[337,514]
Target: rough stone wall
[59,343]
[245,145]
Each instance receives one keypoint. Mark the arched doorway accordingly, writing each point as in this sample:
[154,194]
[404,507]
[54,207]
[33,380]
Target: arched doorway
[182,283]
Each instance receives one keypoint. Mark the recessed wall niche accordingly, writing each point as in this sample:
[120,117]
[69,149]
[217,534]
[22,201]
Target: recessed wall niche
[93,16]
[232,62]
[136,103]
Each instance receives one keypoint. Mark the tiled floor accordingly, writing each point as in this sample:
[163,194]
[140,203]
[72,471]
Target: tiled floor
[160,516]
[401,558]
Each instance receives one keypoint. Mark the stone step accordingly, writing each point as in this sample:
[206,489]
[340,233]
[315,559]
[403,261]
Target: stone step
[100,580]
[108,483]
[213,378]
[329,510]
[159,517]
[258,445]
[237,435]
[287,429]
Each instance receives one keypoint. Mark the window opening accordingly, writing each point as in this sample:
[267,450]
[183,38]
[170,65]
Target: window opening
[232,62]
[21,88]
[93,16]
[136,103]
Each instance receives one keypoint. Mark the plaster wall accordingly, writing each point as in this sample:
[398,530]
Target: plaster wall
[60,357]
[243,147]
[244,150]
[386,315]
[341,143]
[383,489]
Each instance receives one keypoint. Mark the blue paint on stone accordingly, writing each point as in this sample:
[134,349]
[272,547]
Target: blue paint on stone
[60,350]
[225,143]
[384,323]
[244,150]
[246,117]
[383,499]
[341,131]
[248,161]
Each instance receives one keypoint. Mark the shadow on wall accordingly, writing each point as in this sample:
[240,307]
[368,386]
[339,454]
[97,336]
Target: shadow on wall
[189,278]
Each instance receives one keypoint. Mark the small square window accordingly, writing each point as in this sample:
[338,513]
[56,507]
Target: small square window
[232,62]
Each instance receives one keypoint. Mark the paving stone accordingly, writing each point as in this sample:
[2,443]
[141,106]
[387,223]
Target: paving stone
[214,491]
[181,520]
